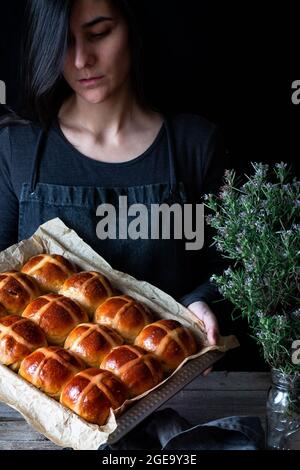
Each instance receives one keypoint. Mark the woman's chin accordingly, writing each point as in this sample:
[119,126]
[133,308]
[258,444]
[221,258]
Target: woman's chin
[93,96]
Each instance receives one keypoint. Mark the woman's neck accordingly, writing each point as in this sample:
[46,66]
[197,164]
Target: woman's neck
[105,120]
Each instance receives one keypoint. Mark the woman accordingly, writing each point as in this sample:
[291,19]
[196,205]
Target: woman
[90,138]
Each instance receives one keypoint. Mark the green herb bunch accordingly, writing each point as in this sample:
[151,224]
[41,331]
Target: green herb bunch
[257,228]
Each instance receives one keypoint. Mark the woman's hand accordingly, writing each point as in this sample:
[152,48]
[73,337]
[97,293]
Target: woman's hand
[205,314]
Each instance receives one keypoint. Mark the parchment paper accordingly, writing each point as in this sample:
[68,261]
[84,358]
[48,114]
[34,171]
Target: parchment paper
[44,414]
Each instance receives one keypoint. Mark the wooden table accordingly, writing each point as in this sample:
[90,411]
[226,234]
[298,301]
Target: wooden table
[218,395]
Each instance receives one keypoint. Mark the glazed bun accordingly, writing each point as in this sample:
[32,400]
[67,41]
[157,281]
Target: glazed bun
[169,340]
[92,342]
[50,271]
[92,393]
[125,314]
[49,369]
[56,315]
[90,289]
[139,370]
[16,291]
[18,338]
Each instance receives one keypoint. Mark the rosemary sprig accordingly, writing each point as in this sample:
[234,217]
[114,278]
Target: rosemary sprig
[257,226]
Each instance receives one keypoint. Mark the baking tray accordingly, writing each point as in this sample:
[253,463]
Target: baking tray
[56,237]
[154,400]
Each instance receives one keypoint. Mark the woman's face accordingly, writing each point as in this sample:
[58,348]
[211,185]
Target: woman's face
[97,48]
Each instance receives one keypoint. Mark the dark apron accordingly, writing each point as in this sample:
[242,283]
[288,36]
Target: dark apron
[163,263]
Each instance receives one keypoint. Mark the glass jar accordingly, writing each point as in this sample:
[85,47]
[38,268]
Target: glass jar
[283,412]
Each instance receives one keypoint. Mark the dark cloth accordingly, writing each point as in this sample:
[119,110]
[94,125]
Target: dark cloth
[199,162]
[167,430]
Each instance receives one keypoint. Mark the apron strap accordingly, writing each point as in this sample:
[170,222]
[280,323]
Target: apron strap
[36,159]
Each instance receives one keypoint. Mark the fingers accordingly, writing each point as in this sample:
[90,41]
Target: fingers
[206,315]
[212,335]
[212,327]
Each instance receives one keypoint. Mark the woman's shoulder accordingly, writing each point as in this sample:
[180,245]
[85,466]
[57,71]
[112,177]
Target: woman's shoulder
[193,124]
[194,134]
[12,123]
[20,132]
[18,138]
[18,141]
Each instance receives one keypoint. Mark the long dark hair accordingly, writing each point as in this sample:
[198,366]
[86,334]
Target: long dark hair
[45,44]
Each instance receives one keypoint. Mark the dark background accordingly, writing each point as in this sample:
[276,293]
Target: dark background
[232,63]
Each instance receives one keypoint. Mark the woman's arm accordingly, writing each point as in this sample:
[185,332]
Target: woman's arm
[200,300]
[9,205]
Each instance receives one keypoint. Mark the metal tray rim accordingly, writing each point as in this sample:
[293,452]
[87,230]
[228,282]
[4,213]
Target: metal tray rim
[155,399]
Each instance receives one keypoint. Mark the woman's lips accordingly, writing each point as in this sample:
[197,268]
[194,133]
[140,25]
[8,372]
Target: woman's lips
[91,81]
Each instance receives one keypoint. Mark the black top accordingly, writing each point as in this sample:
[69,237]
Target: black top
[200,163]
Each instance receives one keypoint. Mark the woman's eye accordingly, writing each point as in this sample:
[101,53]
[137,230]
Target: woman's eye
[99,35]
[91,36]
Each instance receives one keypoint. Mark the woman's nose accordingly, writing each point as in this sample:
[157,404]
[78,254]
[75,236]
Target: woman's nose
[83,57]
